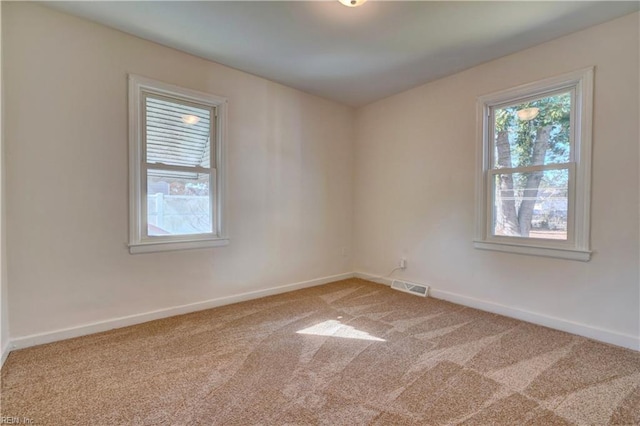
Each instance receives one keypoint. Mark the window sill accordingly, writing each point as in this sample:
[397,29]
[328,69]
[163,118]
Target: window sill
[151,247]
[558,253]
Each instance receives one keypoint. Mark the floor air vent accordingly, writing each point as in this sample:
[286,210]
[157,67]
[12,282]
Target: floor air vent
[412,288]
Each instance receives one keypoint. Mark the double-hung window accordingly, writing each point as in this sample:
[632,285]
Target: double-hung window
[176,167]
[534,161]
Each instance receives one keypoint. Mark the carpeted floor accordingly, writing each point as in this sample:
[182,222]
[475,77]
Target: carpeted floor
[346,353]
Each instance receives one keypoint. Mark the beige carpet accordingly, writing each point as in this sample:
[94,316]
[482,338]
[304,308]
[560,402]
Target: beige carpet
[346,353]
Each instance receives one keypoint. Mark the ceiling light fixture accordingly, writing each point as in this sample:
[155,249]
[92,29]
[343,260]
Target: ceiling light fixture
[352,3]
[190,119]
[527,114]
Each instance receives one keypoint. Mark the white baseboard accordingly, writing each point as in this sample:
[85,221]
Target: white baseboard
[5,353]
[375,278]
[607,336]
[100,326]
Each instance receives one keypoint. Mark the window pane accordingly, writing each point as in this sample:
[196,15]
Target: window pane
[532,205]
[533,133]
[177,134]
[178,203]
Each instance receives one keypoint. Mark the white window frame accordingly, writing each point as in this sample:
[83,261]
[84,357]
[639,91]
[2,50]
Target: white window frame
[577,245]
[139,240]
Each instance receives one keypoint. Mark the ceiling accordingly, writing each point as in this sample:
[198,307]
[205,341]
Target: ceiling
[350,55]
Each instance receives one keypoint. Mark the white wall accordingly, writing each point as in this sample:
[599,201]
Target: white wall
[414,186]
[289,178]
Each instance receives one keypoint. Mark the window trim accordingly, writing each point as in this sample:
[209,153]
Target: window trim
[577,245]
[139,242]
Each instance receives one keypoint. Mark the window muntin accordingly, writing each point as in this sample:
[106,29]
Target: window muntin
[533,175]
[176,167]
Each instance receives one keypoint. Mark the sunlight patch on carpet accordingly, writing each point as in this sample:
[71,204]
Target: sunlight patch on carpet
[335,328]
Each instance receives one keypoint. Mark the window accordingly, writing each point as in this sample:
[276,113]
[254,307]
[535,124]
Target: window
[176,167]
[533,182]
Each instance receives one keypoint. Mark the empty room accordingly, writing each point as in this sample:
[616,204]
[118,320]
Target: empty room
[340,212]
